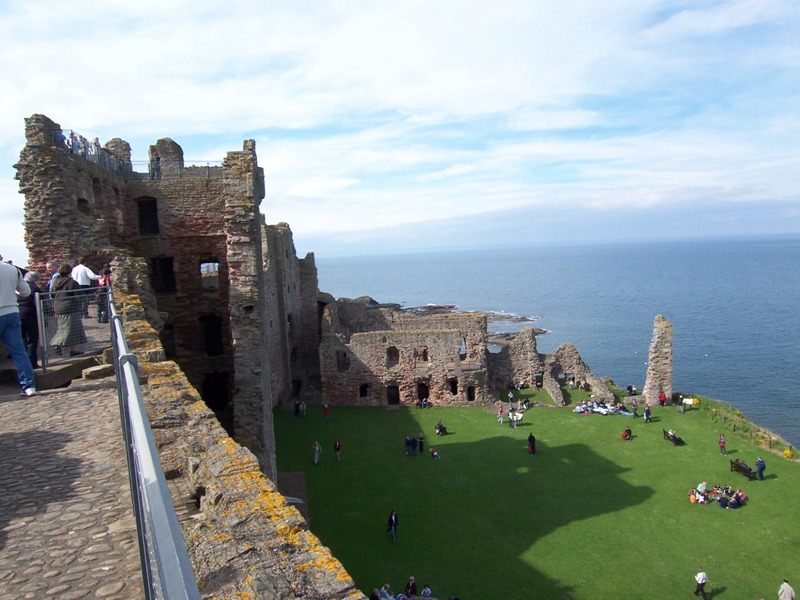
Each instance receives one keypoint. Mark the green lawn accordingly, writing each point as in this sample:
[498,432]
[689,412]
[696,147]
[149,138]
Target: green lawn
[590,517]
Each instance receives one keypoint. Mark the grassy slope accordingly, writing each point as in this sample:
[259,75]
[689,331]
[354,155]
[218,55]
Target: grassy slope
[590,517]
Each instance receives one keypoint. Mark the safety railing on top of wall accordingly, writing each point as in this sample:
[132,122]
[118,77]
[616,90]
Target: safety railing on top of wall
[166,570]
[92,151]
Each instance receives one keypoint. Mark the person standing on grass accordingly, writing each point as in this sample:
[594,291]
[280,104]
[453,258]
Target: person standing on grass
[786,592]
[317,451]
[647,413]
[392,525]
[702,579]
[421,439]
[722,443]
[326,412]
[337,448]
[531,444]
[500,415]
[760,466]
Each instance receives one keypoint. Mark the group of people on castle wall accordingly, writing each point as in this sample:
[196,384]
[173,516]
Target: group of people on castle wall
[90,150]
[66,295]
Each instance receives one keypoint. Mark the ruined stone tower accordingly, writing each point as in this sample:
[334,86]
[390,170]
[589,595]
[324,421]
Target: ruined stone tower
[659,362]
[195,248]
[235,307]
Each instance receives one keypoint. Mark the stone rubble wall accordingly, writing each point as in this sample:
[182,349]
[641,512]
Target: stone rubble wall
[247,541]
[366,349]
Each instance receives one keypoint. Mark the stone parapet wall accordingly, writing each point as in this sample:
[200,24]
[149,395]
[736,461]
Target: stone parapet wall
[247,541]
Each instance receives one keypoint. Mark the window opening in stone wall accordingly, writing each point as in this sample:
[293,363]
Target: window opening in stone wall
[212,334]
[462,351]
[453,386]
[342,361]
[297,387]
[167,337]
[84,207]
[163,274]
[289,324]
[214,392]
[363,390]
[209,273]
[470,393]
[293,355]
[421,354]
[392,394]
[392,356]
[148,216]
[97,192]
[423,391]
[538,379]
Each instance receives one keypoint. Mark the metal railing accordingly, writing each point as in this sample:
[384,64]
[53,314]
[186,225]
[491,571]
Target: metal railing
[72,323]
[166,570]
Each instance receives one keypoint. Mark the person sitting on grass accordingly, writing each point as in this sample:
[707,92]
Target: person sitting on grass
[627,434]
[440,429]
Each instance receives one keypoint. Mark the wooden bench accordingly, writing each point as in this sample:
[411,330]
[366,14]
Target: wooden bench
[740,467]
[675,440]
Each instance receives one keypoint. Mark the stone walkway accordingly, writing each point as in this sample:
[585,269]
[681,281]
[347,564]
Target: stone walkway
[66,523]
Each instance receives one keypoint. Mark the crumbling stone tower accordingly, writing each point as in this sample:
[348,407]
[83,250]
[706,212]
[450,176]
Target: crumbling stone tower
[222,286]
[659,362]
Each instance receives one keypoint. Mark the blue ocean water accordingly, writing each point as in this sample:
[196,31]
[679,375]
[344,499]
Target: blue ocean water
[732,303]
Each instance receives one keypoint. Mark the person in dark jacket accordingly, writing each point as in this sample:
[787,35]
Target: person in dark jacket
[69,309]
[29,324]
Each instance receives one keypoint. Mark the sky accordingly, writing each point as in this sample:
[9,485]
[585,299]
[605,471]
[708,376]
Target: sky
[393,127]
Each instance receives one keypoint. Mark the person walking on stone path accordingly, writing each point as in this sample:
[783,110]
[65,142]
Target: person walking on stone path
[12,285]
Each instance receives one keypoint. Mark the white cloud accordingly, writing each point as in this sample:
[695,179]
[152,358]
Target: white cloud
[368,114]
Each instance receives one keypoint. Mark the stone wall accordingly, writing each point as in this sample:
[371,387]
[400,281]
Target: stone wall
[374,355]
[246,541]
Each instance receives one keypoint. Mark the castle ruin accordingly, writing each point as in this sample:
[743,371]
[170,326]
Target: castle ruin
[230,307]
[236,308]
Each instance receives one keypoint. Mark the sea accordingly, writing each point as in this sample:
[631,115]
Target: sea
[733,305]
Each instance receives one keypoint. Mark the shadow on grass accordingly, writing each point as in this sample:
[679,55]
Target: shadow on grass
[469,524]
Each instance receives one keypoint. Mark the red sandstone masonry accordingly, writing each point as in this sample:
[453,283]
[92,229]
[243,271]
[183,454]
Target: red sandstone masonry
[248,542]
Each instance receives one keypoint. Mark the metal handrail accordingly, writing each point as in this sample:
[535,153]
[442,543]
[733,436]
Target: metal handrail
[166,570]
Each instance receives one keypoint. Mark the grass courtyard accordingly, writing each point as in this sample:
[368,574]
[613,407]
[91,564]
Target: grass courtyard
[591,516]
